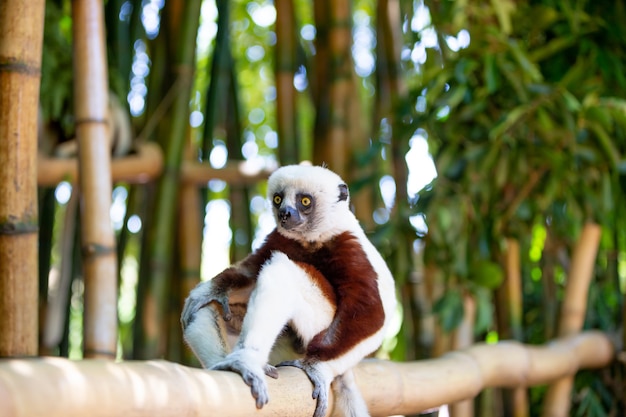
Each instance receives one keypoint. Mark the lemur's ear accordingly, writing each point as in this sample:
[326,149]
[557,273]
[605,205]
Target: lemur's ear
[343,192]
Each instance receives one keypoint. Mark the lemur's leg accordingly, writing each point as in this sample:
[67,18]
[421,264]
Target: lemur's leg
[205,330]
[348,399]
[284,294]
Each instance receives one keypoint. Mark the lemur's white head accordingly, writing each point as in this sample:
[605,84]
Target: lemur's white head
[310,203]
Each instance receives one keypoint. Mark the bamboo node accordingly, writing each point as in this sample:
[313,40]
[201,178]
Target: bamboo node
[95,249]
[20,68]
[12,227]
[91,120]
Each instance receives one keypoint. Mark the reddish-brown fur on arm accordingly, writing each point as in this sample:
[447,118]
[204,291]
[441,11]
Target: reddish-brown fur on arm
[359,307]
[245,272]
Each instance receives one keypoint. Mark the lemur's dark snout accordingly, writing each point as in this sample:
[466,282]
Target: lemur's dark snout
[289,217]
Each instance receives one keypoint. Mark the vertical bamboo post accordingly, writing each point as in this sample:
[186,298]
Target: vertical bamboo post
[94,155]
[332,144]
[285,92]
[517,398]
[463,338]
[21,39]
[154,313]
[558,398]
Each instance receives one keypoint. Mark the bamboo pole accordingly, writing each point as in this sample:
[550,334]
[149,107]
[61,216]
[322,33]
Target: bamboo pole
[332,123]
[94,156]
[463,338]
[516,399]
[286,51]
[151,343]
[21,40]
[190,244]
[573,310]
[54,387]
[145,165]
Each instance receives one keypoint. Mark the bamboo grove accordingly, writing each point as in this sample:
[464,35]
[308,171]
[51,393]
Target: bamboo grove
[158,122]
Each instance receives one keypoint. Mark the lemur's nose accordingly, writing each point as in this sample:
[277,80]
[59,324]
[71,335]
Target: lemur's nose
[284,214]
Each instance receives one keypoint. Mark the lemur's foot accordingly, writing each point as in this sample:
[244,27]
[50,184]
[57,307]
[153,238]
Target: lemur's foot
[321,383]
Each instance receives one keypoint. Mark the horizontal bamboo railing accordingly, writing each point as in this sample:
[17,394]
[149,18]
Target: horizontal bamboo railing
[54,387]
[145,165]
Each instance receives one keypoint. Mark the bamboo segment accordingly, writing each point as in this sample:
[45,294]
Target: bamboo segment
[517,399]
[557,401]
[98,240]
[332,107]
[21,40]
[53,387]
[286,119]
[151,341]
[463,338]
[144,165]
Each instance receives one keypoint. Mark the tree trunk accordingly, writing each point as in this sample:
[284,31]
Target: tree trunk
[94,167]
[21,40]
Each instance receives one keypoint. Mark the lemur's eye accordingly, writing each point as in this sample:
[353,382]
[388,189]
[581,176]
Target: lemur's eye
[277,199]
[306,201]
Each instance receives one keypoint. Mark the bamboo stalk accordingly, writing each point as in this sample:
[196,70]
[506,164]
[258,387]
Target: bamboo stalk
[66,388]
[573,310]
[190,245]
[92,132]
[154,306]
[463,338]
[332,139]
[58,296]
[219,76]
[21,40]
[517,399]
[286,120]
[145,165]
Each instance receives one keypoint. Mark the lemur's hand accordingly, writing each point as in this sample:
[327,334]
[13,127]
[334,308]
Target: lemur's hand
[321,378]
[203,294]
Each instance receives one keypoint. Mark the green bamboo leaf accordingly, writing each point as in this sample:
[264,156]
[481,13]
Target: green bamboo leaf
[484,310]
[617,108]
[525,62]
[511,119]
[606,143]
[486,273]
[552,48]
[571,102]
[607,193]
[490,73]
[453,97]
[449,309]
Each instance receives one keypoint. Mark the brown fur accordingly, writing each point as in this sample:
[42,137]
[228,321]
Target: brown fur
[342,271]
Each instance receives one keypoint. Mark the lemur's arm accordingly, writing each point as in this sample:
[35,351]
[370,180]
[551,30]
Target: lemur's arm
[240,275]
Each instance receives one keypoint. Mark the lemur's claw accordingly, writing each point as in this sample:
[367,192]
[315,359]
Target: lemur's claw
[321,387]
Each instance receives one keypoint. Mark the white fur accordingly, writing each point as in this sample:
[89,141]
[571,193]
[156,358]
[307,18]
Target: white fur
[204,327]
[284,293]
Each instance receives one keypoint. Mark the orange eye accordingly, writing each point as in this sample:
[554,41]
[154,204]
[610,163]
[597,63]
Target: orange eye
[306,201]
[277,199]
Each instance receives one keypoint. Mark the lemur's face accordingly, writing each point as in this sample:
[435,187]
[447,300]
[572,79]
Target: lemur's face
[293,211]
[306,201]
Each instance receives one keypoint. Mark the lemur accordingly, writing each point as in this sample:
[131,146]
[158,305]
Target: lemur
[317,277]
